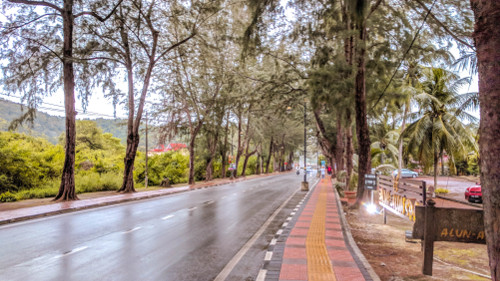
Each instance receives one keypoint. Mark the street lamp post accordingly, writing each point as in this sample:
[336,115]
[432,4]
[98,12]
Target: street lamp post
[305,185]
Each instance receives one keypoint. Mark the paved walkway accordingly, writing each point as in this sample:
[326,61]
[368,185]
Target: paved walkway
[316,244]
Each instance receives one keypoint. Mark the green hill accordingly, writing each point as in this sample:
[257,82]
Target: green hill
[51,127]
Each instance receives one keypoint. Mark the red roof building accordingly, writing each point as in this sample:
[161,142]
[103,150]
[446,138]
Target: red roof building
[170,147]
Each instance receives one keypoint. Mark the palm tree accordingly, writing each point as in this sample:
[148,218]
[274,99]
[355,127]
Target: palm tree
[437,127]
[384,142]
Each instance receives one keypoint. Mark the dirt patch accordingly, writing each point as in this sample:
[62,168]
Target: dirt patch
[395,259]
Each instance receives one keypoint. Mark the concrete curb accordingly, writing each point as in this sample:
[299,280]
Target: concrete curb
[367,269]
[119,201]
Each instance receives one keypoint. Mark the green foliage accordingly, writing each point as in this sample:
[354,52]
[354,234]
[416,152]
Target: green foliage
[354,182]
[171,165]
[7,197]
[98,182]
[26,162]
[473,165]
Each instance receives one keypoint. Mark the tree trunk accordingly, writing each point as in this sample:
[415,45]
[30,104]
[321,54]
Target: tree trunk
[487,41]
[270,154]
[67,186]
[191,160]
[400,150]
[339,153]
[245,162]
[261,169]
[362,130]
[128,173]
[133,136]
[209,169]
[349,150]
[436,159]
[442,162]
[224,150]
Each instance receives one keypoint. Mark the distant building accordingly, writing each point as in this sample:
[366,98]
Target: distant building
[170,147]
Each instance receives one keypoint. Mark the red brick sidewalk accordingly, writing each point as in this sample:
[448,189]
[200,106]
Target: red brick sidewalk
[315,248]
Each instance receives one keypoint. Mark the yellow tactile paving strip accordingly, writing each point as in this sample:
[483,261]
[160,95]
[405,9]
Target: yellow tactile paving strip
[318,261]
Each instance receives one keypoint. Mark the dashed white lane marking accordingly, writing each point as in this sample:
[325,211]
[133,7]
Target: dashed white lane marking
[273,241]
[289,218]
[279,232]
[269,256]
[285,224]
[296,209]
[209,202]
[192,208]
[167,217]
[79,249]
[262,275]
[132,230]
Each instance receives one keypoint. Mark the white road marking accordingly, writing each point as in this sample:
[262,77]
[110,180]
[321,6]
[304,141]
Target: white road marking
[269,256]
[279,232]
[285,224]
[262,275]
[234,261]
[167,217]
[79,249]
[289,218]
[209,202]
[292,213]
[132,230]
[192,208]
[273,241]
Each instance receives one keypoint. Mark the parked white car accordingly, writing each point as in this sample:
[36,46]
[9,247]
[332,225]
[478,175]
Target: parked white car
[405,173]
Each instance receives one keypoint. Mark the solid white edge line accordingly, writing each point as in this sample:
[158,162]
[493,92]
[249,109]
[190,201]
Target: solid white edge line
[234,261]
[262,275]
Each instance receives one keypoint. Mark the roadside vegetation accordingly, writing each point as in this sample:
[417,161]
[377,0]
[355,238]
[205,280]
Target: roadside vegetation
[30,167]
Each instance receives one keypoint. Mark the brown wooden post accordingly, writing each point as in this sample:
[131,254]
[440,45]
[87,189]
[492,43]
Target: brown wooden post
[424,192]
[428,237]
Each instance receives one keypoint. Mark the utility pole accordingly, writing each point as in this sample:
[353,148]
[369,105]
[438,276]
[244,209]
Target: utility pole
[146,170]
[305,184]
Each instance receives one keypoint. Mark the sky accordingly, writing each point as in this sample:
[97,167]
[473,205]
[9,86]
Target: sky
[100,107]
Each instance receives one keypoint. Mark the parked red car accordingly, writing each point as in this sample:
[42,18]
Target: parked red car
[474,193]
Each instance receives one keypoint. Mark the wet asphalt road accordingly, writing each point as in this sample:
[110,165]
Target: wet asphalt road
[186,236]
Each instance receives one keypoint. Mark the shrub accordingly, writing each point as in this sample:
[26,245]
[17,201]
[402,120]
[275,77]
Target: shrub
[7,197]
[441,191]
[171,165]
[94,182]
[40,192]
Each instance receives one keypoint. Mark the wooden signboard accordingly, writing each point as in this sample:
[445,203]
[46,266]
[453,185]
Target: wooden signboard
[445,224]
[453,225]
